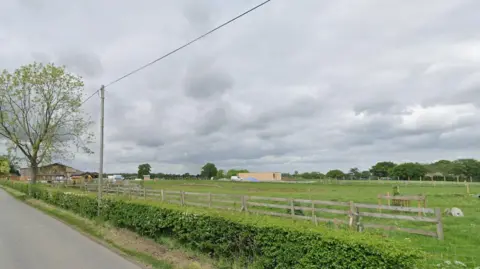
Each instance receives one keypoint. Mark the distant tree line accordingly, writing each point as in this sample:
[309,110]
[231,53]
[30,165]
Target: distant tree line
[168,176]
[464,169]
[209,171]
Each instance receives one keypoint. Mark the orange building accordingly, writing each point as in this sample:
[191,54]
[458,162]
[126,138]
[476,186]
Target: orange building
[262,176]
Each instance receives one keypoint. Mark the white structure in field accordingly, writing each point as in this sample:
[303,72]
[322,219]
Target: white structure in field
[236,178]
[115,178]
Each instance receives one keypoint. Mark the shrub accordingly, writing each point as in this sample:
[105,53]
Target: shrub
[259,244]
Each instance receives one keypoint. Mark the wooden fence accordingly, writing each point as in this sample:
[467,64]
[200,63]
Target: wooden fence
[403,200]
[347,213]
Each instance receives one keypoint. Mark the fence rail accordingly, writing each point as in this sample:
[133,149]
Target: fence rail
[312,210]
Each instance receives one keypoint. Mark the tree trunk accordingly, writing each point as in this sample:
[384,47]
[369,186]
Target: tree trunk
[34,167]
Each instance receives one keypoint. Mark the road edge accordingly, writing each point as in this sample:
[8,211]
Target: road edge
[22,198]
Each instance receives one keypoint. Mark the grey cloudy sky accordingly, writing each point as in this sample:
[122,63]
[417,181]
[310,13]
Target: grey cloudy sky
[296,85]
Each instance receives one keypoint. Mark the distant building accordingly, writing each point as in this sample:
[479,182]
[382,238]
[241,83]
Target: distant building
[86,175]
[262,176]
[51,172]
[115,178]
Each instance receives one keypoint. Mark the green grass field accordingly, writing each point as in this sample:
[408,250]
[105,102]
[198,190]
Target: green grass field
[462,235]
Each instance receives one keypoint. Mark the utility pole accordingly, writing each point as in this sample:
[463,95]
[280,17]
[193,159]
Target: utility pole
[102,125]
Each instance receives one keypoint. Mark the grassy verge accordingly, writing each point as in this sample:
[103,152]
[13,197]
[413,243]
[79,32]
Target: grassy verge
[122,243]
[16,194]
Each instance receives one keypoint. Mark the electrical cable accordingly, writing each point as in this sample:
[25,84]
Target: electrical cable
[89,97]
[187,44]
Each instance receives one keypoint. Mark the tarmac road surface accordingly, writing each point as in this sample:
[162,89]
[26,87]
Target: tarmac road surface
[30,239]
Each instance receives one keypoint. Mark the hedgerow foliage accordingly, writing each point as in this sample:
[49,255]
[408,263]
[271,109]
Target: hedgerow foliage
[258,245]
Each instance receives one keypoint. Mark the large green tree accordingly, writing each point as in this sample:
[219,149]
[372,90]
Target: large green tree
[335,174]
[443,166]
[41,113]
[411,171]
[382,169]
[144,169]
[466,168]
[354,173]
[209,170]
[4,166]
[11,160]
[220,173]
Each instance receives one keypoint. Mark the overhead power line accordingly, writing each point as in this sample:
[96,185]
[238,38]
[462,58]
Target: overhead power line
[90,96]
[186,45]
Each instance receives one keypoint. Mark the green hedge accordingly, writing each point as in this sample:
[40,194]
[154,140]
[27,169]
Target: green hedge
[261,245]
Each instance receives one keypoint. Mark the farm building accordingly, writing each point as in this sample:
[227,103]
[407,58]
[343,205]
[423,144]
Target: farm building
[51,172]
[84,177]
[262,176]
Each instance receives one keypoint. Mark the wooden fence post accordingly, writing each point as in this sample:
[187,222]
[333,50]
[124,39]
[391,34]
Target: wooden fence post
[244,204]
[182,198]
[163,196]
[292,208]
[357,220]
[352,212]
[419,207]
[144,193]
[458,181]
[438,214]
[314,216]
[209,199]
[468,187]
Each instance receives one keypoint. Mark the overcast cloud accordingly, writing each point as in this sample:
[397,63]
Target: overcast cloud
[305,85]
